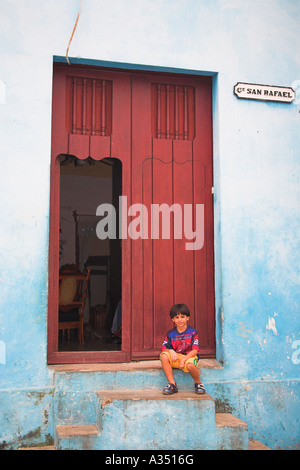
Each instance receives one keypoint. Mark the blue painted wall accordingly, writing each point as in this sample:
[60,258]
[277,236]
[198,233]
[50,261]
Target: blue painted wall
[256,167]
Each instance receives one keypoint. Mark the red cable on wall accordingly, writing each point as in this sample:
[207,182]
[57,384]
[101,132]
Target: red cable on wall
[75,26]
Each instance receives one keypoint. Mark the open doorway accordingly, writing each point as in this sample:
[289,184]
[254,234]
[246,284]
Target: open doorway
[84,185]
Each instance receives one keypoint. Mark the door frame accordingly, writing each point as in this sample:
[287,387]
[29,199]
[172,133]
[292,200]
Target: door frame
[55,356]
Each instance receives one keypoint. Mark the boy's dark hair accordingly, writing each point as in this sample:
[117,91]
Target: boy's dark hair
[179,308]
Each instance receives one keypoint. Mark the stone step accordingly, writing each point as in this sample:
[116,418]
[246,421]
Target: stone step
[147,420]
[253,445]
[77,430]
[76,437]
[75,400]
[256,445]
[233,432]
[142,395]
[38,448]
[132,402]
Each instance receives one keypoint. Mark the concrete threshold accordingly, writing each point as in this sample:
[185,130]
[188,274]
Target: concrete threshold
[209,363]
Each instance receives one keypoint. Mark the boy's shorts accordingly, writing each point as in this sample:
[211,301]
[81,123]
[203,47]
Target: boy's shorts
[175,364]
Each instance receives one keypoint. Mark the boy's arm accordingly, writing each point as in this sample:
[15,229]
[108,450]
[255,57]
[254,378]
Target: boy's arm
[167,346]
[192,353]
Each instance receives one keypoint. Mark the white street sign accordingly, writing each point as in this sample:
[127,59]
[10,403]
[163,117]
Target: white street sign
[251,91]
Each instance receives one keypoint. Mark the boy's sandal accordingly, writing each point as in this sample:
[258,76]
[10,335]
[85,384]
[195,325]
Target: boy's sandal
[199,388]
[170,389]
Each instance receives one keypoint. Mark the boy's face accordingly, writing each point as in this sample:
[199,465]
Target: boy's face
[180,321]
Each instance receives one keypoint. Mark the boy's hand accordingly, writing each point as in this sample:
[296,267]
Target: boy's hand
[182,362]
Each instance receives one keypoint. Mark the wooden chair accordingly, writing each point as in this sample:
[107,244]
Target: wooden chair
[73,287]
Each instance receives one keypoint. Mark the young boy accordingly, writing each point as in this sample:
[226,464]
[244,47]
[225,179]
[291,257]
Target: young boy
[180,350]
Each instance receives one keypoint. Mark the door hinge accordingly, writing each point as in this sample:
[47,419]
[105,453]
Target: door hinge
[212,190]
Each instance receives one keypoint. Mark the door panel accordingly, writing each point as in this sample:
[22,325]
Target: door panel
[173,163]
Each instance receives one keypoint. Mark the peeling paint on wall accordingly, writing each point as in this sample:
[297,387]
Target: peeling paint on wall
[271,325]
[244,330]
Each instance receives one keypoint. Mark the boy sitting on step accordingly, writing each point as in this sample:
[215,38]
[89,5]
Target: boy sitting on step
[180,350]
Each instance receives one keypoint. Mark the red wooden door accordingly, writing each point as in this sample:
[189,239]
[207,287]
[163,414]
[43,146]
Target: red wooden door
[171,164]
[160,128]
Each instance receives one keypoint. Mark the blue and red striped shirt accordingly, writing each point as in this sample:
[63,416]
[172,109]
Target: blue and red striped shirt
[182,343]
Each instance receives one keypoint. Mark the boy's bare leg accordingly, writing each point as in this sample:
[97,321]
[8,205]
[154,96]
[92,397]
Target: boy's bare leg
[194,371]
[167,368]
